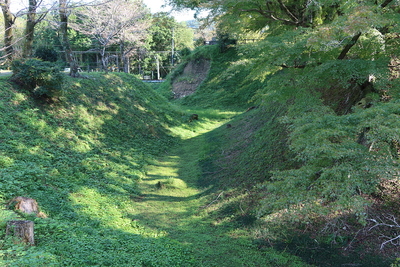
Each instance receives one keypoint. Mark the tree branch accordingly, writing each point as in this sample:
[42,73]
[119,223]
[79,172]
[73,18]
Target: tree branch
[387,2]
[347,48]
[294,67]
[389,241]
[391,224]
[355,38]
[269,14]
[288,12]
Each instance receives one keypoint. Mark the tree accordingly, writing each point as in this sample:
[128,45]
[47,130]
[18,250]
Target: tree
[9,20]
[111,23]
[31,21]
[129,42]
[184,37]
[168,36]
[161,31]
[63,14]
[356,22]
[293,13]
[131,38]
[342,150]
[326,63]
[338,19]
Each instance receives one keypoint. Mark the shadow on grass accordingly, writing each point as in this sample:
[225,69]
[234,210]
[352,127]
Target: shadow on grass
[83,161]
[183,213]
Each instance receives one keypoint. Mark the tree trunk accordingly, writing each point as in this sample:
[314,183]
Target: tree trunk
[9,20]
[22,230]
[29,29]
[104,59]
[63,13]
[126,64]
[347,48]
[124,58]
[387,2]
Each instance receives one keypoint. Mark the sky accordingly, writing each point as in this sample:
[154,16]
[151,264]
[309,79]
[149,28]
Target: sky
[155,6]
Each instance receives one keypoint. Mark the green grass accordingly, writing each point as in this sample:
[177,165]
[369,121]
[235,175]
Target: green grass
[186,212]
[127,179]
[92,160]
[293,163]
[82,158]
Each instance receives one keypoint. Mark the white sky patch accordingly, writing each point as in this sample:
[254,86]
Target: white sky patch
[157,6]
[154,5]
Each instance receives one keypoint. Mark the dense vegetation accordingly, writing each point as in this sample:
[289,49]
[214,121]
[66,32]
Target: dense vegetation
[290,172]
[320,150]
[74,35]
[287,154]
[84,157]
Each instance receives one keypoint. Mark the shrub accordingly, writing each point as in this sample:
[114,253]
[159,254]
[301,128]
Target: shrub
[46,54]
[42,78]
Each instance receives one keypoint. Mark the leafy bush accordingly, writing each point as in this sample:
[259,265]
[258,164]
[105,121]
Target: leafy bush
[41,78]
[185,52]
[46,54]
[341,157]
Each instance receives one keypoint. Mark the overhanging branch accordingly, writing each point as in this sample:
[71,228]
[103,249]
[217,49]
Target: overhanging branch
[347,48]
[387,2]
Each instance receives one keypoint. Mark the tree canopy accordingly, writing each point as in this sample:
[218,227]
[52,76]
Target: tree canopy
[77,31]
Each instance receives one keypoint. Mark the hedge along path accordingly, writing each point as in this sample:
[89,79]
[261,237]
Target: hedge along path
[172,202]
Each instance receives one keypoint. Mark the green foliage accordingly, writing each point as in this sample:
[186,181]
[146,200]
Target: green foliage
[325,131]
[79,41]
[327,252]
[161,29]
[46,54]
[174,183]
[226,85]
[304,148]
[82,159]
[42,78]
[6,215]
[336,165]
[164,28]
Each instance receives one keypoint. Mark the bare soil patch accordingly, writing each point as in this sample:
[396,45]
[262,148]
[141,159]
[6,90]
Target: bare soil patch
[193,75]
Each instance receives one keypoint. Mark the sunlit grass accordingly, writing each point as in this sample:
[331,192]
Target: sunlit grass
[118,171]
[209,120]
[82,159]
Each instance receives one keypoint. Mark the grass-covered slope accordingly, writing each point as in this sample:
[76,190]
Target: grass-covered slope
[316,160]
[115,170]
[81,158]
[229,84]
[307,167]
